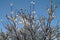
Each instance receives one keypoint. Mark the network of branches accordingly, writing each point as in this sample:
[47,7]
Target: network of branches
[34,28]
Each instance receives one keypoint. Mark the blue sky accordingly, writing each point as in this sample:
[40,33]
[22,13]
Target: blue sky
[40,7]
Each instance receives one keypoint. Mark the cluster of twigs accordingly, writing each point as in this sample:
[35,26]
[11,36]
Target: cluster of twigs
[33,29]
